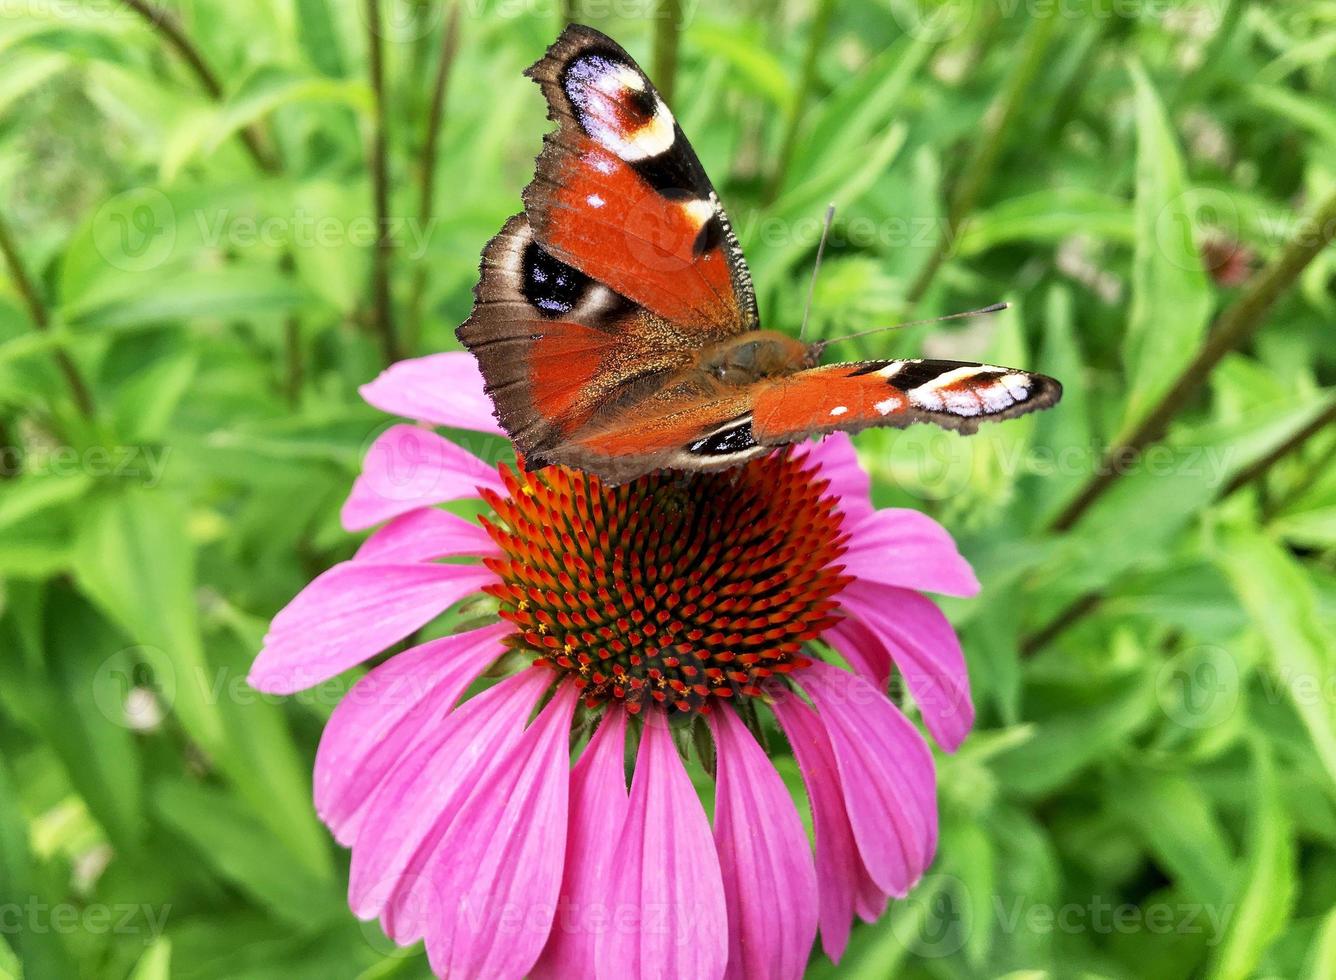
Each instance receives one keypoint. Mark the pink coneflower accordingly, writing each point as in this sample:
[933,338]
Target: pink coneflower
[676,614]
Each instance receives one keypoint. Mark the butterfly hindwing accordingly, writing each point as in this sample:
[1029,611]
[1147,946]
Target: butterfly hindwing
[692,426]
[558,349]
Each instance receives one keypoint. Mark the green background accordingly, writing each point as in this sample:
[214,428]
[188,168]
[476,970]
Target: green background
[188,303]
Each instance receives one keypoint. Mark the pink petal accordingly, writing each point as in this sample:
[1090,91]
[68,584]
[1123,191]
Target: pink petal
[416,801]
[905,548]
[386,713]
[839,464]
[926,649]
[769,880]
[886,771]
[598,807]
[443,389]
[839,868]
[354,611]
[426,534]
[407,468]
[498,867]
[668,911]
[862,648]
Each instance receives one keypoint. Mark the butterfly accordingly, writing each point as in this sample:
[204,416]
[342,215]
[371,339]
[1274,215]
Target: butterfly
[615,321]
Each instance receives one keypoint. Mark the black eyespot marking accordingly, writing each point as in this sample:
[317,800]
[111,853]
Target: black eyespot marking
[551,286]
[641,104]
[710,236]
[726,442]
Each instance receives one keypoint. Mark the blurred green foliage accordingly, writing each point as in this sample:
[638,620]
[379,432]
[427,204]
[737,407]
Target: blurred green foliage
[1152,788]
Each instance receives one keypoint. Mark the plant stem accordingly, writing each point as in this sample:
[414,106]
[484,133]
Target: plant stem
[427,171]
[816,40]
[41,319]
[1235,325]
[1303,485]
[667,31]
[979,168]
[165,23]
[11,453]
[1260,468]
[1083,605]
[382,306]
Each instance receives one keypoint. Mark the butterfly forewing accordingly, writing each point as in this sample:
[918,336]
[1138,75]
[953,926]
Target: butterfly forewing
[620,194]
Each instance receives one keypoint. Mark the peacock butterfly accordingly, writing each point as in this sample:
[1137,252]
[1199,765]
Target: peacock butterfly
[615,321]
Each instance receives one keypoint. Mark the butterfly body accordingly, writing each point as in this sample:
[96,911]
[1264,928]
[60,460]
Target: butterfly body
[616,324]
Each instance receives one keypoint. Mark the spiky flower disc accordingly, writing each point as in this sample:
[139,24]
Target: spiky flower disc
[676,588]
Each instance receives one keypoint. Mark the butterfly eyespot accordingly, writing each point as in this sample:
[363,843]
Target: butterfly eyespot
[615,107]
[736,437]
[552,287]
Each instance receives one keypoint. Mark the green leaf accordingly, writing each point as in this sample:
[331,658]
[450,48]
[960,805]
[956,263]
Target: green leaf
[1047,216]
[1174,817]
[260,94]
[1266,887]
[864,106]
[24,72]
[1171,297]
[1065,745]
[849,181]
[32,494]
[219,294]
[1277,594]
[1322,958]
[156,963]
[145,403]
[754,65]
[42,953]
[10,967]
[136,561]
[232,841]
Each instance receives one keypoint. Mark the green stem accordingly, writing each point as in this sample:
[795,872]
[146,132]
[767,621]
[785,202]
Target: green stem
[427,171]
[1085,604]
[667,32]
[816,40]
[165,23]
[1305,483]
[41,319]
[1238,322]
[382,305]
[1259,469]
[983,160]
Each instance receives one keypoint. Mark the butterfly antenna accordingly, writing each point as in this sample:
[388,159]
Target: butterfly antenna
[820,251]
[992,308]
